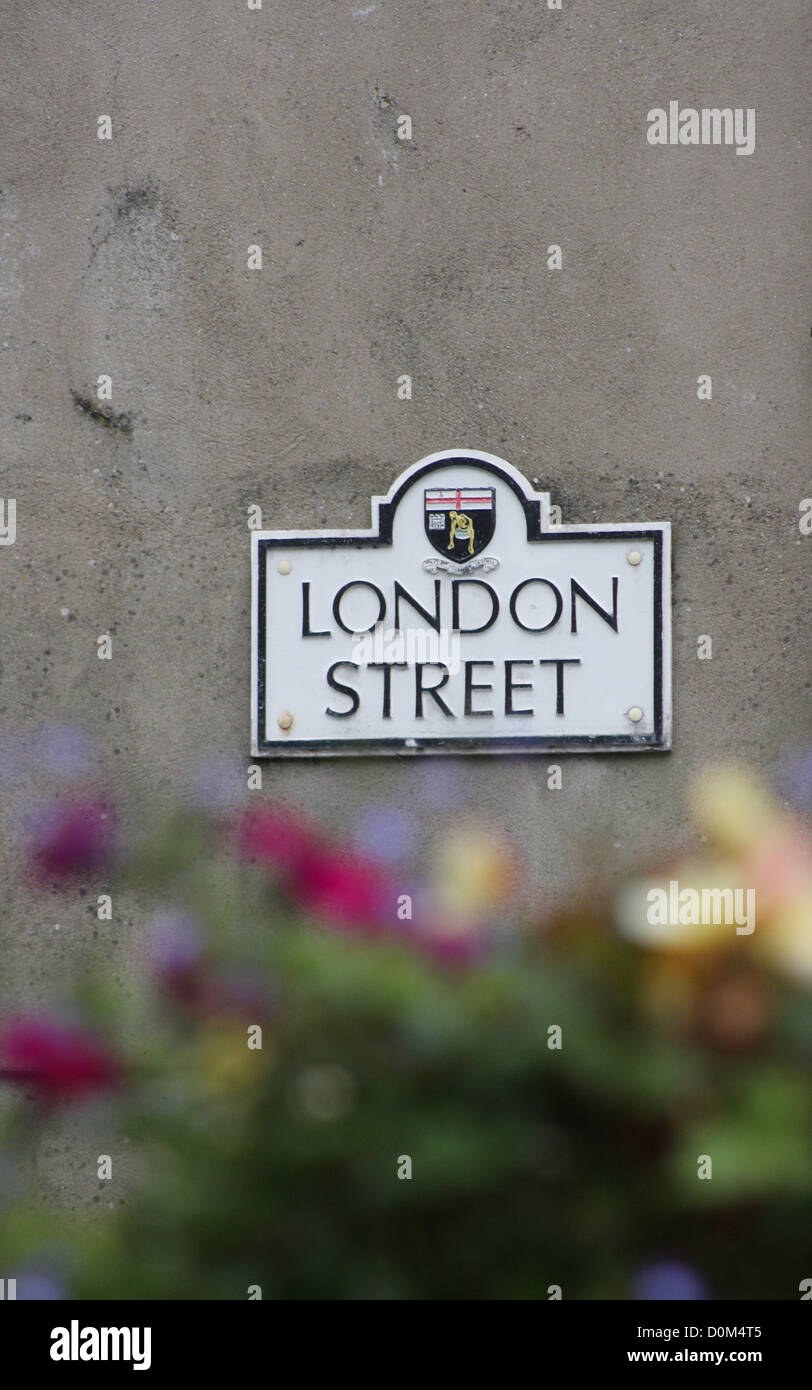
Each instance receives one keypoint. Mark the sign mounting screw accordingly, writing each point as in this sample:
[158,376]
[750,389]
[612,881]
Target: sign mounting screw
[635,714]
[285,721]
[634,557]
[283,566]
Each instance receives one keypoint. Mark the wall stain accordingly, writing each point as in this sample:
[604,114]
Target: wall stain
[122,422]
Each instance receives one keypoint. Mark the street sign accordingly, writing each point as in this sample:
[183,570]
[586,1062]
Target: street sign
[461,621]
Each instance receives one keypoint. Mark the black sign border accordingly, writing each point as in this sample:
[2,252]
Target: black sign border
[656,741]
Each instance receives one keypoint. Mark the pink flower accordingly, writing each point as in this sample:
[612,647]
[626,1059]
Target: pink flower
[273,837]
[341,889]
[332,884]
[74,837]
[61,1062]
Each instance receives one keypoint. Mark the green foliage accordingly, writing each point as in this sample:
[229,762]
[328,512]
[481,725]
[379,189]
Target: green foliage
[531,1165]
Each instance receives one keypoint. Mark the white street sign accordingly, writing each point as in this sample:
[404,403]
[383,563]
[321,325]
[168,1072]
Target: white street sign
[462,621]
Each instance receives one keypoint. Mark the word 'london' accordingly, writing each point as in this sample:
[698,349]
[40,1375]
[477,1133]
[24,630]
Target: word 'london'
[709,126]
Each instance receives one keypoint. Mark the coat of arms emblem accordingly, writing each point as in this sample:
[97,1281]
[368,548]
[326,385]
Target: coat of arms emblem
[460,521]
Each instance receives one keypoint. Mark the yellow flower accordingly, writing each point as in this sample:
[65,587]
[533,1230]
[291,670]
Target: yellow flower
[474,874]
[224,1061]
[787,945]
[733,808]
[690,908]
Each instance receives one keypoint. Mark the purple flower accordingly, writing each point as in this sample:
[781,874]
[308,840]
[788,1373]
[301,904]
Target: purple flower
[64,749]
[795,778]
[669,1279]
[176,950]
[74,837]
[217,782]
[385,833]
[39,1286]
[174,945]
[440,783]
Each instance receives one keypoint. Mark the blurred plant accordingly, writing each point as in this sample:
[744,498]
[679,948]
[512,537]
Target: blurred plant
[670,1280]
[71,838]
[305,1021]
[750,843]
[55,1061]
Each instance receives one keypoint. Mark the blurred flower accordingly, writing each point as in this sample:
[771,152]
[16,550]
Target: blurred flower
[736,1011]
[363,1037]
[386,833]
[217,782]
[233,994]
[448,939]
[176,950]
[60,1062]
[788,943]
[174,947]
[651,921]
[670,1279]
[780,867]
[64,749]
[668,990]
[274,837]
[451,944]
[475,873]
[795,779]
[222,1060]
[439,782]
[342,889]
[40,1286]
[334,884]
[733,808]
[71,838]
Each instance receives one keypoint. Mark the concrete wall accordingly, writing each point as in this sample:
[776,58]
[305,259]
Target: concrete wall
[232,387]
